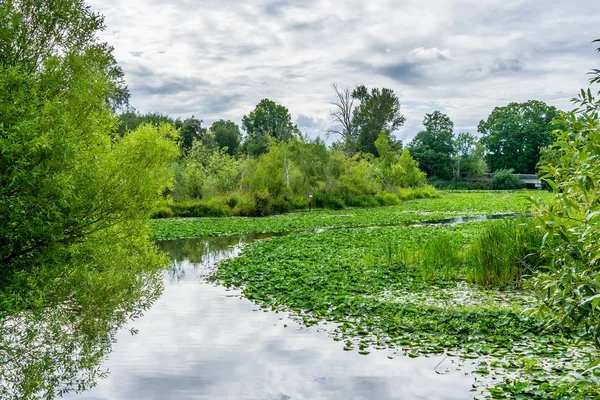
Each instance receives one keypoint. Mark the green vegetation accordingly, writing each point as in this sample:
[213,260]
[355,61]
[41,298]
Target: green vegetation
[75,200]
[570,288]
[448,205]
[513,135]
[504,252]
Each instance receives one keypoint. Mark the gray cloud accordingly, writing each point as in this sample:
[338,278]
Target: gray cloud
[510,65]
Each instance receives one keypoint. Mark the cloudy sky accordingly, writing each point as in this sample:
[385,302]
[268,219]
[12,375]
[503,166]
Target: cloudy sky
[218,58]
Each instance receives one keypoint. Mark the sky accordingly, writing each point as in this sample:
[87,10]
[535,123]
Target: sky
[216,59]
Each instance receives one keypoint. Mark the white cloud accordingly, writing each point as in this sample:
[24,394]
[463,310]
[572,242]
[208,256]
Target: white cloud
[218,59]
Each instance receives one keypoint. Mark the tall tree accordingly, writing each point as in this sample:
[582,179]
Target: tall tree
[342,117]
[75,258]
[267,119]
[513,135]
[433,148]
[227,134]
[378,110]
[191,129]
[468,156]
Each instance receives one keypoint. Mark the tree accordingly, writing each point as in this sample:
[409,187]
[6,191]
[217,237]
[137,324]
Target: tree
[131,120]
[570,221]
[433,148]
[342,116]
[75,199]
[32,32]
[394,170]
[468,156]
[227,134]
[268,119]
[191,129]
[515,134]
[378,110]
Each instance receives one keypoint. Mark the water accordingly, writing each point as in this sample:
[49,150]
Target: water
[202,341]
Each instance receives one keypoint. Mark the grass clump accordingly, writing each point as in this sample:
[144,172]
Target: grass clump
[503,253]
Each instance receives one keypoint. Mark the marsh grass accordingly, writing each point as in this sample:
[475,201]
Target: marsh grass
[503,253]
[440,258]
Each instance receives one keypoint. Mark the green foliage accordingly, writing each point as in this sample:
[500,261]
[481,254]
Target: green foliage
[426,209]
[505,180]
[227,135]
[268,119]
[328,200]
[387,199]
[194,208]
[433,148]
[515,134]
[262,203]
[75,199]
[378,110]
[571,221]
[439,258]
[504,252]
[469,156]
[204,173]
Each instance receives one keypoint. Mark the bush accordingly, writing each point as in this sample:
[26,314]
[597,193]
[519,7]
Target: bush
[282,204]
[233,201]
[328,200]
[362,201]
[387,199]
[245,208]
[262,203]
[505,180]
[199,208]
[299,202]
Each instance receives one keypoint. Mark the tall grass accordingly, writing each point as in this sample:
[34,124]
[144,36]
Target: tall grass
[439,258]
[503,253]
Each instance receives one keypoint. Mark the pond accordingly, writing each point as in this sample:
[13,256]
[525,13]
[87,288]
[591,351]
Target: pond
[203,341]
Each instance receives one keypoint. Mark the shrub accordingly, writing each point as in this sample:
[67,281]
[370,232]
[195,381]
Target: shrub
[233,201]
[245,208]
[262,203]
[362,201]
[505,180]
[198,208]
[328,200]
[387,199]
[282,204]
[300,202]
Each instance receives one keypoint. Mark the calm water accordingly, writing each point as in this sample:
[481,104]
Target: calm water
[201,341]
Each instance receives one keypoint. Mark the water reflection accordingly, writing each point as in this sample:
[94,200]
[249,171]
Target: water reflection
[202,341]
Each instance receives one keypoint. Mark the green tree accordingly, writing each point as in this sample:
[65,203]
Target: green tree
[571,220]
[191,129]
[515,134]
[396,170]
[433,148]
[468,157]
[75,199]
[378,110]
[268,119]
[130,120]
[227,134]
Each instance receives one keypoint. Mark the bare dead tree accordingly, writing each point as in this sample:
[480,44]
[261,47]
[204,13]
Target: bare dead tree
[342,116]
